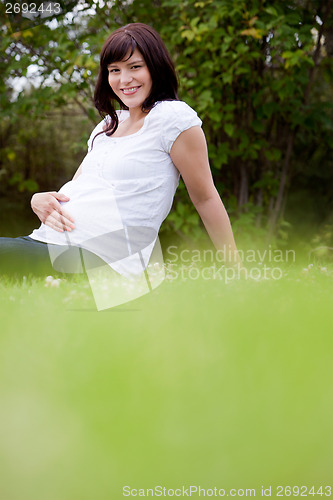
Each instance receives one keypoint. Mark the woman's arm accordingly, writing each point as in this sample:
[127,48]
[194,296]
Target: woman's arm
[190,156]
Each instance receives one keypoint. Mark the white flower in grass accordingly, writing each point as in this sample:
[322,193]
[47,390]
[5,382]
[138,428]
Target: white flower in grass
[56,283]
[52,282]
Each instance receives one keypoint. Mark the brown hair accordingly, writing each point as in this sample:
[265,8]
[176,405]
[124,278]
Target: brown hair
[164,79]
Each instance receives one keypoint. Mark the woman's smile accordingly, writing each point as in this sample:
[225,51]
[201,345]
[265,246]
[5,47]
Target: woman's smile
[130,90]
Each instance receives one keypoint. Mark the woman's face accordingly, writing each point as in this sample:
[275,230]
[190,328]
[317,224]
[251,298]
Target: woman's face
[130,80]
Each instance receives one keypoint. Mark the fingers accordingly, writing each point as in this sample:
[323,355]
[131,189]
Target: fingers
[59,222]
[66,216]
[61,216]
[60,196]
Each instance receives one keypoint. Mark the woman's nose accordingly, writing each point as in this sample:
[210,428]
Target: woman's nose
[125,77]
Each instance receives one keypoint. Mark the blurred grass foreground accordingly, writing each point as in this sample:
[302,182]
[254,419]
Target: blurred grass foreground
[201,382]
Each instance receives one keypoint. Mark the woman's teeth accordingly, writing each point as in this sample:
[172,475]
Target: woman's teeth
[130,90]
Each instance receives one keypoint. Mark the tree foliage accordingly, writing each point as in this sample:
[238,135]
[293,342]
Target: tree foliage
[258,73]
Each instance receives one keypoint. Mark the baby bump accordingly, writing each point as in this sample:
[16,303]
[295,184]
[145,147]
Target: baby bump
[93,208]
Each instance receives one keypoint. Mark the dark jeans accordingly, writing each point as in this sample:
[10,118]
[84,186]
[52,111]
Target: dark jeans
[24,256]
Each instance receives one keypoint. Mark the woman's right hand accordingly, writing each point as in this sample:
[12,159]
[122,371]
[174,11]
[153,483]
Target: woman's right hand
[48,209]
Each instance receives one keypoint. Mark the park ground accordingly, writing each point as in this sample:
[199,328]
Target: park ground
[200,382]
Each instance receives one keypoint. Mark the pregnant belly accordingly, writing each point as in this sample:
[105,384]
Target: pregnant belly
[93,207]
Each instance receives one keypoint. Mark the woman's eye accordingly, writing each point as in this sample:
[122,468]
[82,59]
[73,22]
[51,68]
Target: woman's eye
[134,67]
[113,70]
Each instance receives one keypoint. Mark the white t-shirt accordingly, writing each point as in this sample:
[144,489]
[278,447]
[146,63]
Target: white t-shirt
[125,182]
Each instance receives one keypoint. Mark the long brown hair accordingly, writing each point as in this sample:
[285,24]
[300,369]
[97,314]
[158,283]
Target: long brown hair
[122,41]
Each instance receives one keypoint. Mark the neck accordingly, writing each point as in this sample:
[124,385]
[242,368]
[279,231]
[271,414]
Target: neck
[136,114]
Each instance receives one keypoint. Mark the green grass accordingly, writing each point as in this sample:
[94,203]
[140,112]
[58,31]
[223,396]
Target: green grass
[199,382]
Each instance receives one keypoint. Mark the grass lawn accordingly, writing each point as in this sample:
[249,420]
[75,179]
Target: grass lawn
[200,382]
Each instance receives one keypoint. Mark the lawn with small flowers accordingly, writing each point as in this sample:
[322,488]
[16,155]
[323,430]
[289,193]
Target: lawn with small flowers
[213,379]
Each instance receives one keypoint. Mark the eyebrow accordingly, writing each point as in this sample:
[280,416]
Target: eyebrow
[128,64]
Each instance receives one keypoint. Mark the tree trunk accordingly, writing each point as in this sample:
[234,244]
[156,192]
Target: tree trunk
[243,196]
[283,180]
[259,205]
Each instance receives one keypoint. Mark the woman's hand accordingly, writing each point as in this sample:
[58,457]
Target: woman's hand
[48,209]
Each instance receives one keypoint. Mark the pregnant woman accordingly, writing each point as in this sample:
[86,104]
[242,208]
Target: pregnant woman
[124,188]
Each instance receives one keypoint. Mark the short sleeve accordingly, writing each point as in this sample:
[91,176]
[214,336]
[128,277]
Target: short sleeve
[177,117]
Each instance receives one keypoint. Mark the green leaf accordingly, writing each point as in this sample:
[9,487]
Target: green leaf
[229,129]
[271,10]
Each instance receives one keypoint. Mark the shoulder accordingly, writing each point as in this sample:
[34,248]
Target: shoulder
[101,126]
[175,108]
[122,115]
[175,117]
[96,130]
[178,114]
